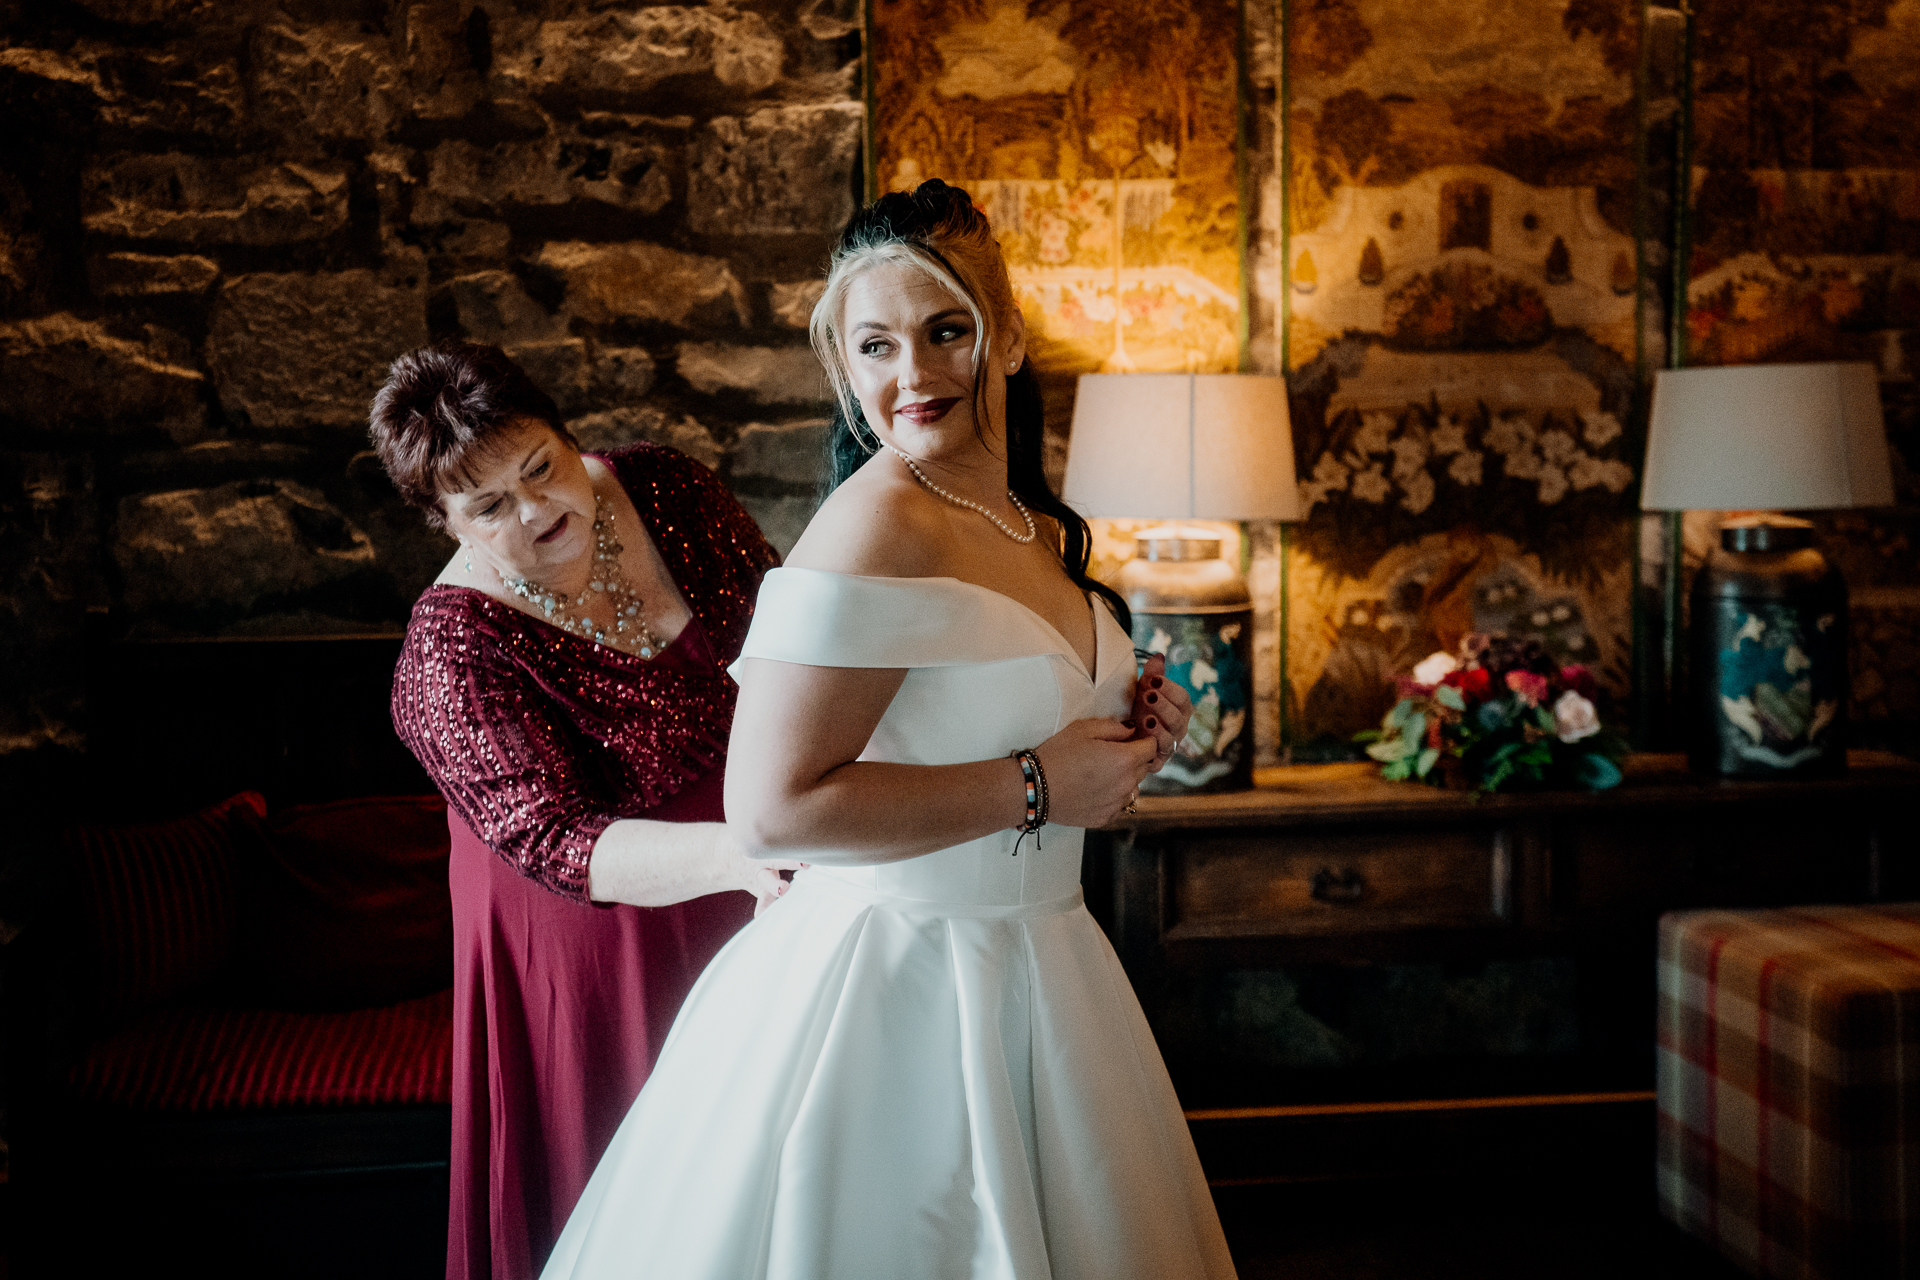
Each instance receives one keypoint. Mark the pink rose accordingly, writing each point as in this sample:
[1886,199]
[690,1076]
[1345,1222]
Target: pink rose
[1574,718]
[1531,688]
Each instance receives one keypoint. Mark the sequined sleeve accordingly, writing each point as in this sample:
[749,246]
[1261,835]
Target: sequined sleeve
[480,726]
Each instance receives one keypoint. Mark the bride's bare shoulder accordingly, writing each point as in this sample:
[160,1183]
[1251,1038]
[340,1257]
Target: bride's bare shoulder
[873,524]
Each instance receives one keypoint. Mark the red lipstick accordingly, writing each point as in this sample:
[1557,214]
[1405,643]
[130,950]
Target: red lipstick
[922,412]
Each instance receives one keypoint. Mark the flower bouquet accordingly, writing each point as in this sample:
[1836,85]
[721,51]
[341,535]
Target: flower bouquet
[1498,716]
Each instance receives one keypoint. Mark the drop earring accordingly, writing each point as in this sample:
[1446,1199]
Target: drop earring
[469,550]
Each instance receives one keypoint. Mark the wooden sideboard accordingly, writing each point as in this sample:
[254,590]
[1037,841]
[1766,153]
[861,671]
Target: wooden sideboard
[1330,865]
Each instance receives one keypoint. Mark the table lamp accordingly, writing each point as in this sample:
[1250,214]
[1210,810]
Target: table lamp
[1189,446]
[1767,651]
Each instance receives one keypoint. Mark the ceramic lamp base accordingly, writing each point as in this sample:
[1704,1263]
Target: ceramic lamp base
[1768,655]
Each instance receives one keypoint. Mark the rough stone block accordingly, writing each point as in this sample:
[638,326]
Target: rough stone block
[233,546]
[60,370]
[49,576]
[443,44]
[464,179]
[179,87]
[793,302]
[627,56]
[621,375]
[144,275]
[770,375]
[40,68]
[831,19]
[558,367]
[778,171]
[190,86]
[331,81]
[615,427]
[640,281]
[288,350]
[464,243]
[208,200]
[146,12]
[21,250]
[786,453]
[494,308]
[782,520]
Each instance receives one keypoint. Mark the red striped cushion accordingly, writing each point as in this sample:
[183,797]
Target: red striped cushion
[226,1059]
[161,897]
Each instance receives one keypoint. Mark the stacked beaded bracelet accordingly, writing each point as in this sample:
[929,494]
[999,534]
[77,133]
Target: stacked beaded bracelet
[1035,779]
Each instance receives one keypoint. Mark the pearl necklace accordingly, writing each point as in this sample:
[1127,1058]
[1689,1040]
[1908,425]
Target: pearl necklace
[630,632]
[959,501]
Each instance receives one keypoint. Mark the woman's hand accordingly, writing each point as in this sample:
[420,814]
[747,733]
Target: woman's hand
[758,876]
[645,863]
[1161,709]
[1093,770]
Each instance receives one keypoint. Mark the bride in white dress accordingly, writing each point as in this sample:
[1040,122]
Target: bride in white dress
[924,1061]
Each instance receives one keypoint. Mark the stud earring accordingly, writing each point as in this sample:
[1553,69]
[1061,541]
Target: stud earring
[1013,366]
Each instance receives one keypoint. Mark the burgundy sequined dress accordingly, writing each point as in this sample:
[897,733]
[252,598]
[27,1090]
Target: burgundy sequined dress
[539,740]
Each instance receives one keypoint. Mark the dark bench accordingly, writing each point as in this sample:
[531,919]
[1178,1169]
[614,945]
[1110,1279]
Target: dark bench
[230,1025]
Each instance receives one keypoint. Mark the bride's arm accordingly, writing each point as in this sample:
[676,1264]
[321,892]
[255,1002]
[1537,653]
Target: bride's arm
[794,783]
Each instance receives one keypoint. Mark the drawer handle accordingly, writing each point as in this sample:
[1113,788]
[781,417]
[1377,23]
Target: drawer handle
[1346,886]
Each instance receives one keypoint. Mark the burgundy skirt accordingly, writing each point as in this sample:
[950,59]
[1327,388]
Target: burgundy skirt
[559,1012]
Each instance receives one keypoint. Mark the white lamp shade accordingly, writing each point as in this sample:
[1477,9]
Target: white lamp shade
[1172,446]
[1777,437]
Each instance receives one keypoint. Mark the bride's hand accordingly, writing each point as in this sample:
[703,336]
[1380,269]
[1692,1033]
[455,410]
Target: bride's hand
[1161,710]
[1093,770]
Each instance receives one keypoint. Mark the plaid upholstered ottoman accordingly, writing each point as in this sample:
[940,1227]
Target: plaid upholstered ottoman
[1789,1087]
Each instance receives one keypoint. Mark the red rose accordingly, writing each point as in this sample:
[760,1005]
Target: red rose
[1473,683]
[1580,680]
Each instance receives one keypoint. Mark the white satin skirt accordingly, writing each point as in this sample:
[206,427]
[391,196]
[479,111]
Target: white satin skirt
[870,1087]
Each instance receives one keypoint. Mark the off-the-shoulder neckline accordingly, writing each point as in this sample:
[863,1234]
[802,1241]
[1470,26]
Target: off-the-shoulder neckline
[1065,646]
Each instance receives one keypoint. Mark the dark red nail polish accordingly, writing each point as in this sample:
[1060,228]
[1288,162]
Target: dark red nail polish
[1156,682]
[1129,724]
[1152,723]
[1152,698]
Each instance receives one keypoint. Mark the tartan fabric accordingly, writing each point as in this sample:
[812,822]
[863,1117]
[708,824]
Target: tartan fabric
[218,1059]
[1788,1058]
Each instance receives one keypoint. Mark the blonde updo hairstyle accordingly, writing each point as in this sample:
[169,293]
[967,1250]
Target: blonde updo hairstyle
[937,230]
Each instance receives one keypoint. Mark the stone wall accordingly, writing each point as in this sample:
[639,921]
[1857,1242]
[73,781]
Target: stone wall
[219,221]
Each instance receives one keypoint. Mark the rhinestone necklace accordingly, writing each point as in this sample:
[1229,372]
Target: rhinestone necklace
[630,632]
[959,501]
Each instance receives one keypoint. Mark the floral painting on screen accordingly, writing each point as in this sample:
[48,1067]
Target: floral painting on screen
[1462,302]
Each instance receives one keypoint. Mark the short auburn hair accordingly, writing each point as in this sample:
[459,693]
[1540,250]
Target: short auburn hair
[443,409]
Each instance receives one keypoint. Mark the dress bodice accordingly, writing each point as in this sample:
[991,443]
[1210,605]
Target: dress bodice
[986,676]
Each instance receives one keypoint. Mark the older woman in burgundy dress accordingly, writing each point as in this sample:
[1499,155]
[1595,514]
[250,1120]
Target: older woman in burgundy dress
[563,681]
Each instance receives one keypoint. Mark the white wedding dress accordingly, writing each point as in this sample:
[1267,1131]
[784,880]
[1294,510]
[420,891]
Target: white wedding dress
[925,1069]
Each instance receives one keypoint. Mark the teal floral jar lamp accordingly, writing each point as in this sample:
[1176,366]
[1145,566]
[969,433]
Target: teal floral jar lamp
[1179,447]
[1767,682]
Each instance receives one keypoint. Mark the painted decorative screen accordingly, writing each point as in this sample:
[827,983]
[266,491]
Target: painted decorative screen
[1462,299]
